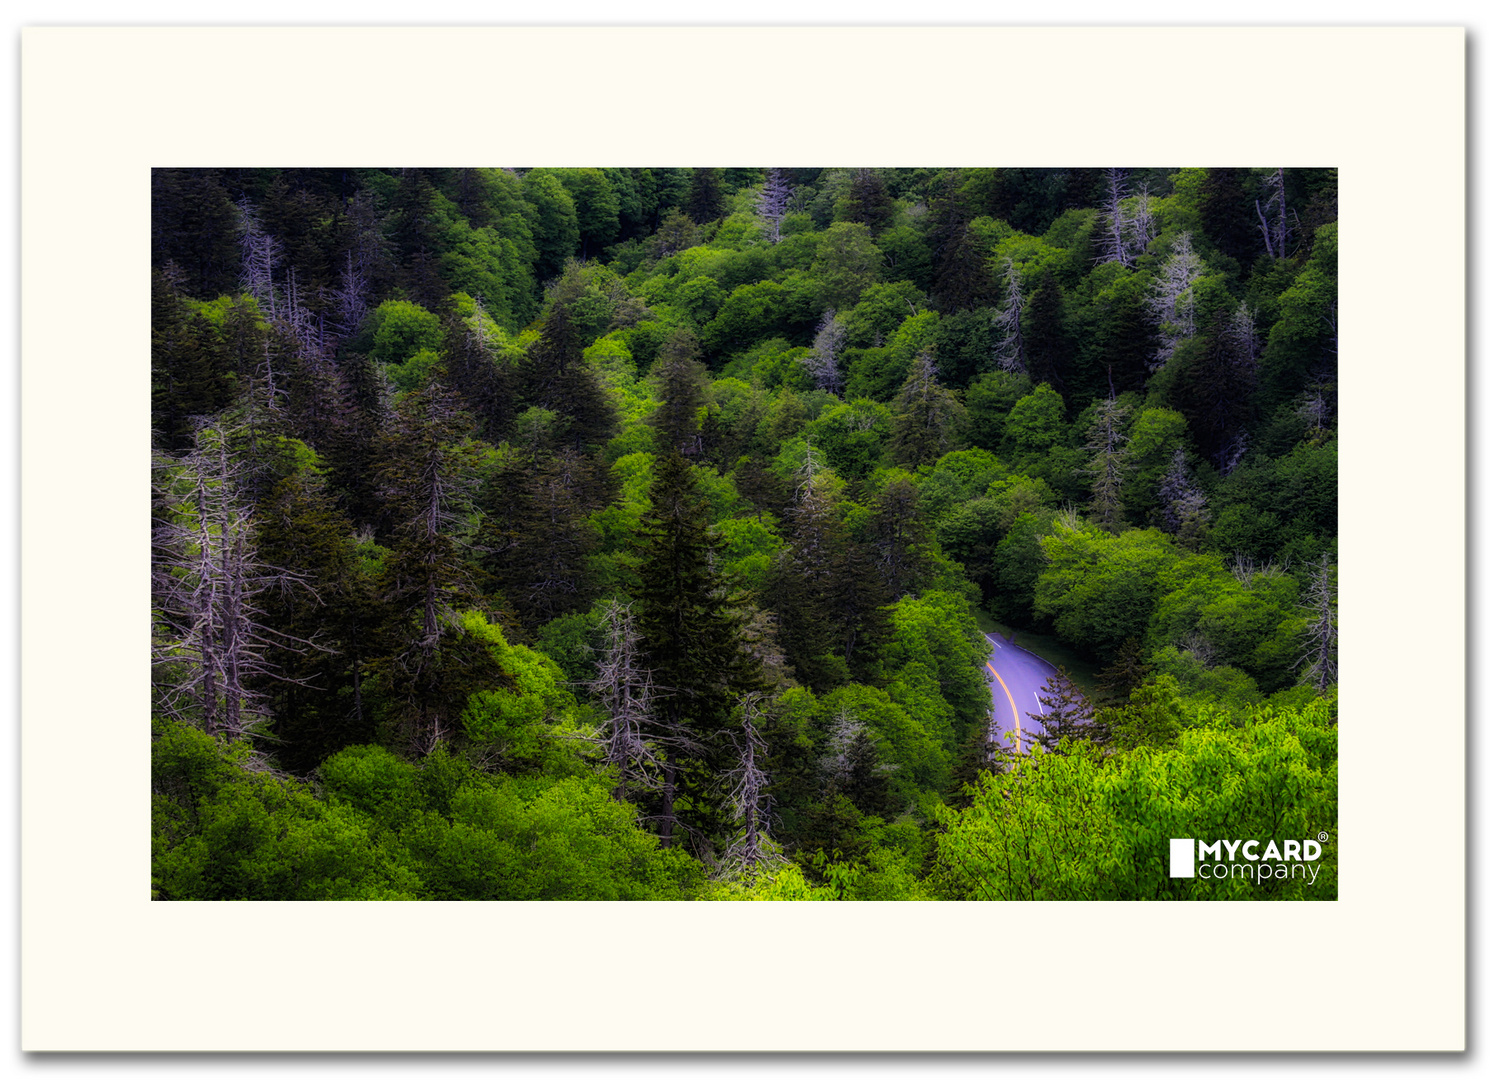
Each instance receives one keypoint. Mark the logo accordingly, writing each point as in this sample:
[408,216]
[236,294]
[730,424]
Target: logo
[1253,859]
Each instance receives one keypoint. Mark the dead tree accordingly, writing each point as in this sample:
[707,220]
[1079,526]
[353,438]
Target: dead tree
[1114,243]
[350,298]
[209,640]
[751,850]
[260,256]
[1141,227]
[624,688]
[1185,508]
[1273,216]
[1128,228]
[1319,661]
[772,203]
[852,765]
[1173,303]
[1011,355]
[821,363]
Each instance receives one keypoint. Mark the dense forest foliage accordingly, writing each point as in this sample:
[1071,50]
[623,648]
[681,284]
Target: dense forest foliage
[599,533]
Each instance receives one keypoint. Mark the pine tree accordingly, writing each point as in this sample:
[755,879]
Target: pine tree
[899,537]
[426,669]
[358,431]
[1273,216]
[485,385]
[1215,388]
[706,202]
[193,228]
[681,380]
[1226,216]
[979,754]
[691,623]
[555,377]
[1127,673]
[415,245]
[868,201]
[1045,343]
[827,592]
[190,374]
[536,538]
[852,767]
[318,706]
[1066,715]
[1108,465]
[927,417]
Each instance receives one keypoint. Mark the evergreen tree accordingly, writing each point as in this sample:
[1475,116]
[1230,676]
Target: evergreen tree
[1185,510]
[536,538]
[827,592]
[1126,674]
[691,624]
[706,202]
[555,377]
[752,850]
[979,754]
[681,382]
[190,375]
[193,228]
[1066,715]
[415,243]
[927,418]
[1011,352]
[352,448]
[1045,343]
[624,688]
[426,670]
[852,767]
[1125,345]
[1227,215]
[868,202]
[1215,387]
[485,385]
[899,536]
[1108,465]
[318,706]
[209,635]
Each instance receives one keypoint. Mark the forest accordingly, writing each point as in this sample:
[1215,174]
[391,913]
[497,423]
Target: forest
[635,533]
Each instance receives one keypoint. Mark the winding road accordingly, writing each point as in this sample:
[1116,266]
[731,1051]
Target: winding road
[1016,677]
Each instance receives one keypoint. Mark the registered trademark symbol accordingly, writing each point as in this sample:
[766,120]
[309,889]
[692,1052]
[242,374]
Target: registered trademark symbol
[1322,836]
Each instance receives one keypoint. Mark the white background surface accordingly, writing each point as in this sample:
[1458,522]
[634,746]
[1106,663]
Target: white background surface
[256,1014]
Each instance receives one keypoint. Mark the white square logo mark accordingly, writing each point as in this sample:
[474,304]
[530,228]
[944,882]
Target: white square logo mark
[1180,861]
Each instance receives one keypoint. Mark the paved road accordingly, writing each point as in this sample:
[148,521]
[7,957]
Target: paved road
[1016,677]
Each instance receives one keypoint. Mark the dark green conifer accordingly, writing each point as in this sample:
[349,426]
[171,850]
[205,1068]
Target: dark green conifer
[1066,716]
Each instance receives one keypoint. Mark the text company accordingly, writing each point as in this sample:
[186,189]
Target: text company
[1247,859]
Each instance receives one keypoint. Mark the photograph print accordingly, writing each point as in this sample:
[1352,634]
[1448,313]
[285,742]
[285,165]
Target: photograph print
[744,533]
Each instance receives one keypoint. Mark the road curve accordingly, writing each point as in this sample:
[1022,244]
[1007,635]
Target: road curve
[1016,677]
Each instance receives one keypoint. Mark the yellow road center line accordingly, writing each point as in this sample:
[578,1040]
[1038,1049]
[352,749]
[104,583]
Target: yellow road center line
[1016,718]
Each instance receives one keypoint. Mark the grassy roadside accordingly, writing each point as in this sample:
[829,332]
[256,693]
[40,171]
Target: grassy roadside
[1049,648]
